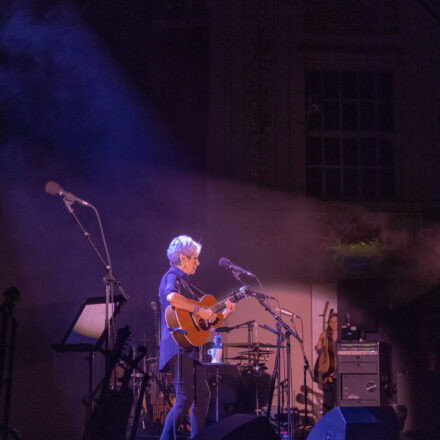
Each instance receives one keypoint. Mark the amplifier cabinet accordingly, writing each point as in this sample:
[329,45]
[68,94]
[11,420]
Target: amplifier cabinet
[363,373]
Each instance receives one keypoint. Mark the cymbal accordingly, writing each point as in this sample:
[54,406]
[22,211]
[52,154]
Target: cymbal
[261,348]
[253,345]
[256,353]
[264,344]
[237,344]
[237,358]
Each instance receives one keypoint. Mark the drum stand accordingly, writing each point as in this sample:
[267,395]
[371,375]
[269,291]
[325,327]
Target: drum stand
[216,383]
[138,409]
[306,421]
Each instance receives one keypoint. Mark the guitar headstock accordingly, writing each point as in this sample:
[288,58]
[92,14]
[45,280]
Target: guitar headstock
[240,294]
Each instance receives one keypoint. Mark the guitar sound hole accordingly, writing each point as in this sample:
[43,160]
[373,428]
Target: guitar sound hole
[205,326]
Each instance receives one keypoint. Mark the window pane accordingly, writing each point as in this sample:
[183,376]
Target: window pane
[346,157]
[314,121]
[366,85]
[314,151]
[368,184]
[314,182]
[332,156]
[367,115]
[331,85]
[350,152]
[351,183]
[313,84]
[348,85]
[368,152]
[386,184]
[385,116]
[385,153]
[332,183]
[331,116]
[349,116]
[384,85]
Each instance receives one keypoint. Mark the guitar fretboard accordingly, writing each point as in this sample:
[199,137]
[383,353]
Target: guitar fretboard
[221,305]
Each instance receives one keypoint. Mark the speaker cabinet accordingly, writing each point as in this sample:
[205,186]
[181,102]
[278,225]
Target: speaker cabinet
[363,374]
[357,423]
[239,427]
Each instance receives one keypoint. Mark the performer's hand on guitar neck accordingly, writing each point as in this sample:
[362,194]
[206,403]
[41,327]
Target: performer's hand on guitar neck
[230,307]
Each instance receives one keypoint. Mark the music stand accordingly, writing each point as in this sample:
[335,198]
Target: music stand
[87,333]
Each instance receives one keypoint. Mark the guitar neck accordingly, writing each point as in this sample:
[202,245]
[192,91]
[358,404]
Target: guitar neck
[221,305]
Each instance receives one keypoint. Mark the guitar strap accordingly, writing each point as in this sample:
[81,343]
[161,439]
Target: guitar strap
[185,287]
[196,291]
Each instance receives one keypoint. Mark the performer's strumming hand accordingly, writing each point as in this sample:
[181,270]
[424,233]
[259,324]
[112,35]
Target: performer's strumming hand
[206,314]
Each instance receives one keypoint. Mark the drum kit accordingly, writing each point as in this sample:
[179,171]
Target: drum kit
[254,358]
[252,365]
[242,383]
[239,384]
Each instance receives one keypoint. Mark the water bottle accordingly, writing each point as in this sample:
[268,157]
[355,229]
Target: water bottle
[217,341]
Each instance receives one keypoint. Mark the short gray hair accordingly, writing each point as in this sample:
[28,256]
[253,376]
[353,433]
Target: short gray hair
[182,245]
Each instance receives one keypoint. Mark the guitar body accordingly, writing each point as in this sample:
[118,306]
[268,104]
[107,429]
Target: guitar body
[324,358]
[331,358]
[197,330]
[321,363]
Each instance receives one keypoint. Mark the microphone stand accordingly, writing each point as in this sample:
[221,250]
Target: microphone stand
[276,377]
[287,333]
[109,279]
[306,391]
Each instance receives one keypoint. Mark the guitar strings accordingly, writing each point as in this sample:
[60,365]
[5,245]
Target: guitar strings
[220,305]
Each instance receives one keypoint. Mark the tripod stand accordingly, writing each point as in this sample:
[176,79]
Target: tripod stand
[306,369]
[281,325]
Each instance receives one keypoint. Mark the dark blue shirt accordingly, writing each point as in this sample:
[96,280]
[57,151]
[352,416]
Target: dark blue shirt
[175,280]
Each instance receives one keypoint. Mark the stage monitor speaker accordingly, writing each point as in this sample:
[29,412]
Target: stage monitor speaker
[239,427]
[357,423]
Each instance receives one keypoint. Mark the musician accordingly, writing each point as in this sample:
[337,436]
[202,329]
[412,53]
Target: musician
[329,387]
[189,375]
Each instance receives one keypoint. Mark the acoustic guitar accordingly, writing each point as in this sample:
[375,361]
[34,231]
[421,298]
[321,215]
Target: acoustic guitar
[188,329]
[327,355]
[326,363]
[322,360]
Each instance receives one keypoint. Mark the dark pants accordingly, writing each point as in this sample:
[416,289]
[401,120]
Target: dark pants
[184,371]
[330,391]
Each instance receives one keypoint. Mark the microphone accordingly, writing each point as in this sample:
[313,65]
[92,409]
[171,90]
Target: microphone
[228,264]
[260,295]
[55,189]
[154,306]
[287,313]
